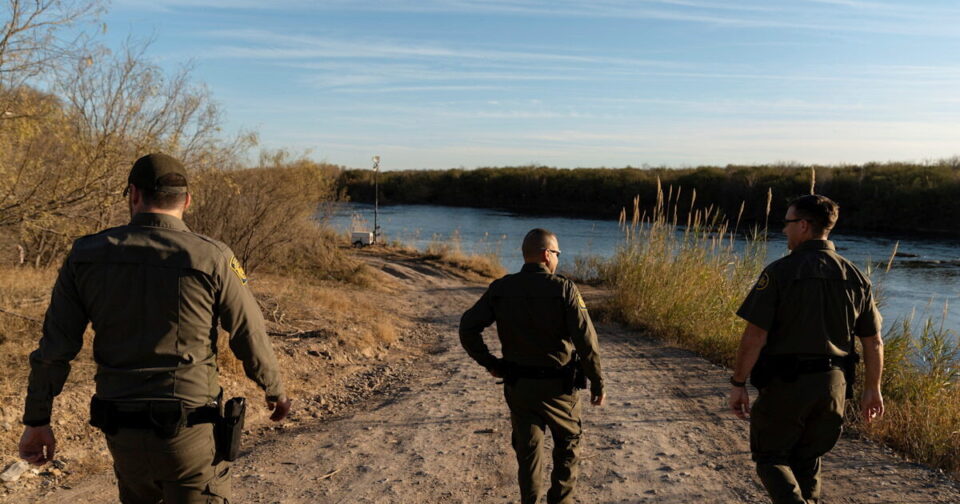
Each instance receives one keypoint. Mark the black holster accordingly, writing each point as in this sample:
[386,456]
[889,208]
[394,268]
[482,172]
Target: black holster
[850,371]
[229,428]
[573,376]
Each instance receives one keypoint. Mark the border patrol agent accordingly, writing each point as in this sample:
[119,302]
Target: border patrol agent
[549,348]
[798,349]
[155,293]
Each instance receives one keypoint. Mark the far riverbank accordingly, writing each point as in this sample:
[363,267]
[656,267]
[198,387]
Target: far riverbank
[878,197]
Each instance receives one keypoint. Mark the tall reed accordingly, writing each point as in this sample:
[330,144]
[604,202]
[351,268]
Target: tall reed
[683,277]
[920,385]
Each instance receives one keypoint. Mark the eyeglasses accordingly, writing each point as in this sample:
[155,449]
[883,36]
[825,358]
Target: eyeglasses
[126,190]
[551,250]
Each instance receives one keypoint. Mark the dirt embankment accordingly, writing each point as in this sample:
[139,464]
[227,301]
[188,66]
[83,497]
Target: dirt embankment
[414,420]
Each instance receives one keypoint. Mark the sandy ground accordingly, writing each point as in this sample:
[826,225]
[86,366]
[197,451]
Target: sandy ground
[427,425]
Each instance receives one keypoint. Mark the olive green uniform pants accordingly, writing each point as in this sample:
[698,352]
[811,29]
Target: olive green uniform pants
[791,426]
[536,404]
[178,470]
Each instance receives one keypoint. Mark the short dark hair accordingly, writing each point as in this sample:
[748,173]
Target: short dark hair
[820,211]
[165,200]
[536,240]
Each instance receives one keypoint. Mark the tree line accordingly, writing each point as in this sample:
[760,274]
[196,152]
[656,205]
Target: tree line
[881,197]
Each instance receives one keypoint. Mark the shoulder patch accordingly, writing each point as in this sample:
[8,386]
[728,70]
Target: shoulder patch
[580,303]
[235,266]
[763,282]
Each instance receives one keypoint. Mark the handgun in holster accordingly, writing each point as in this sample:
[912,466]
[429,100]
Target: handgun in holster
[230,428]
[574,378]
[850,362]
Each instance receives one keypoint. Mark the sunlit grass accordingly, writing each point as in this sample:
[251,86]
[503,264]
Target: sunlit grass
[484,260]
[684,283]
[922,396]
[682,279]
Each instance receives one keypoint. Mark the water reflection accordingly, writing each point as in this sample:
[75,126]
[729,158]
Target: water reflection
[922,282]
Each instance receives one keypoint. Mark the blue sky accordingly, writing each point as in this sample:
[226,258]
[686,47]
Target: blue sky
[449,83]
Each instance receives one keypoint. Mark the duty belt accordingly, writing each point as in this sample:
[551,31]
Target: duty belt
[166,418]
[139,416]
[570,376]
[536,372]
[818,364]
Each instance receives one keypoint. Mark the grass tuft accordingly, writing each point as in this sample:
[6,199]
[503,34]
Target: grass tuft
[683,283]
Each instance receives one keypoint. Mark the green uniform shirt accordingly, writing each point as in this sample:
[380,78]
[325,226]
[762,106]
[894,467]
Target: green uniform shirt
[155,293]
[812,302]
[541,320]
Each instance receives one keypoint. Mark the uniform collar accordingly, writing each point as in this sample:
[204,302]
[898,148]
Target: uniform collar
[158,220]
[811,245]
[534,268]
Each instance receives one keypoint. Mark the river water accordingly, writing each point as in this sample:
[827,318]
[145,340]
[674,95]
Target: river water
[923,283]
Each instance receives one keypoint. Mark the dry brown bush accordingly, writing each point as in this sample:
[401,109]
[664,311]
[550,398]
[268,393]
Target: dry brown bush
[267,215]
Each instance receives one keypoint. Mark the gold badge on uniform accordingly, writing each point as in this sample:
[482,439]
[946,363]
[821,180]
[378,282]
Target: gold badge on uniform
[235,266]
[763,282]
[580,303]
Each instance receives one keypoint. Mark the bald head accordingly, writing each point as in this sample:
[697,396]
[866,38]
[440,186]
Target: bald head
[535,242]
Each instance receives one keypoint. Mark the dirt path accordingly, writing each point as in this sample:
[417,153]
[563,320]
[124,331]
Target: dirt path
[430,426]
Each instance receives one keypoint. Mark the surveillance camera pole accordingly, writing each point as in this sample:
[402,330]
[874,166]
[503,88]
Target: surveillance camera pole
[376,200]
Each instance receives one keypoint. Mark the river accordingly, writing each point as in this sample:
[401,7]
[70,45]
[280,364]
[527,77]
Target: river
[923,282]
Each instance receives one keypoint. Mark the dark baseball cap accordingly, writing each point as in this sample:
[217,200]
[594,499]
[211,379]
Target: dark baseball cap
[148,171]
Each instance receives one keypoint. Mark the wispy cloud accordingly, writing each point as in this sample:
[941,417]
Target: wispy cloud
[272,45]
[816,15]
[439,83]
[837,16]
[416,89]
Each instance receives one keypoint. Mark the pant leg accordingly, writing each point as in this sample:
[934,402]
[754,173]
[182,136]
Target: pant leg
[527,440]
[775,429]
[181,469]
[562,414]
[823,425]
[135,481]
[807,474]
[791,426]
[780,483]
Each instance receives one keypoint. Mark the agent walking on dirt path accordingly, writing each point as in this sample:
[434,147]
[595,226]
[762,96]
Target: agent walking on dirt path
[549,348]
[154,293]
[801,317]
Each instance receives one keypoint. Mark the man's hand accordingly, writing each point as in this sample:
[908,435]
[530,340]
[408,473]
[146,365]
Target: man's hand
[871,405]
[280,408]
[37,445]
[494,373]
[597,400]
[740,402]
